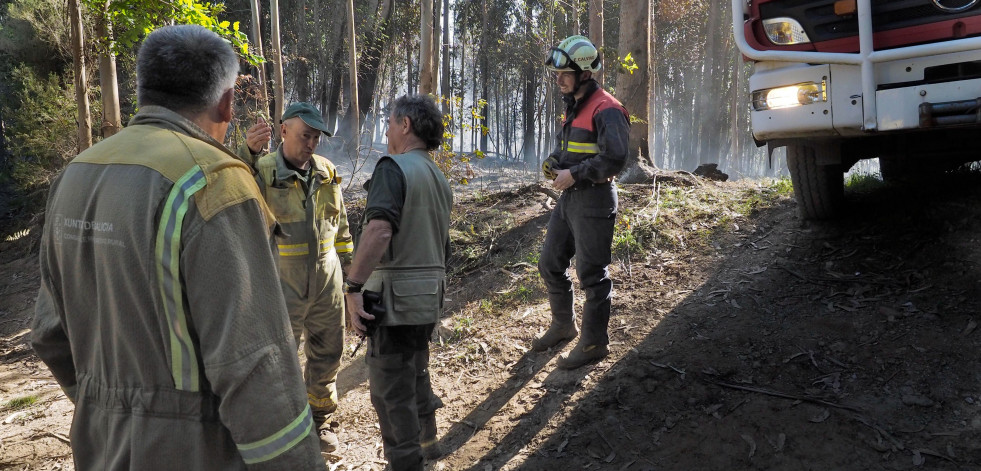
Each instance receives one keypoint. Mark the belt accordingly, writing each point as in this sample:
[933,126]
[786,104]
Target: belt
[583,184]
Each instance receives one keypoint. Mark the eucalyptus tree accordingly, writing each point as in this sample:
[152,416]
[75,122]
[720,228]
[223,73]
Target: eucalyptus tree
[596,29]
[83,119]
[633,85]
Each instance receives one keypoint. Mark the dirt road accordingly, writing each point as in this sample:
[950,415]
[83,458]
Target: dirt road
[741,339]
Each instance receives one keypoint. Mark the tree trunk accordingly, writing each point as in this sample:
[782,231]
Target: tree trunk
[84,120]
[484,75]
[426,48]
[111,121]
[436,44]
[444,87]
[634,89]
[596,31]
[302,67]
[353,109]
[277,70]
[371,52]
[528,151]
[576,26]
[263,97]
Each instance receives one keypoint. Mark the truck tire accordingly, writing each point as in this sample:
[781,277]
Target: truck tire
[819,188]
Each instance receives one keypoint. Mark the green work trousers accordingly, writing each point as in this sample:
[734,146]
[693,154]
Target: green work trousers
[401,392]
[316,307]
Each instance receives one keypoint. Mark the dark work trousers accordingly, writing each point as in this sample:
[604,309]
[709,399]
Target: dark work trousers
[581,225]
[401,392]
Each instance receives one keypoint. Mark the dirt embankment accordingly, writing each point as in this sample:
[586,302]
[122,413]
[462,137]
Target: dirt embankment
[741,339]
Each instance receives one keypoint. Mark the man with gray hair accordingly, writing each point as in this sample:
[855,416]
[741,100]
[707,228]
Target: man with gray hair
[401,253]
[160,312]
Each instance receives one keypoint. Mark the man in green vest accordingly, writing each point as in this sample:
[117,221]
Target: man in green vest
[304,192]
[402,248]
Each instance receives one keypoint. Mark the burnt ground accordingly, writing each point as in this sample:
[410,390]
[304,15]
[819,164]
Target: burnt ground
[742,338]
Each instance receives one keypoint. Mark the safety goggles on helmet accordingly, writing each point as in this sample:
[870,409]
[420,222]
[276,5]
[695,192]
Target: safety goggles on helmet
[559,59]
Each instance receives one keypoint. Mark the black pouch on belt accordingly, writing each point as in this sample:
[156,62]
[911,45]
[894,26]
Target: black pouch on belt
[372,305]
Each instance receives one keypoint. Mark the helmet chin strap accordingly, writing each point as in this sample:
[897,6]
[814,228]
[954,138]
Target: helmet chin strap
[579,82]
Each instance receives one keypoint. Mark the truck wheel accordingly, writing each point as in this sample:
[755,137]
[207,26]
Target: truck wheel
[819,188]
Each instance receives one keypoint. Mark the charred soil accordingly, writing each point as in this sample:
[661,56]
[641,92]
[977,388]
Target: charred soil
[742,338]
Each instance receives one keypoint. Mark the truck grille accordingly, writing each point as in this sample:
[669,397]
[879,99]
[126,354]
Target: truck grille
[822,24]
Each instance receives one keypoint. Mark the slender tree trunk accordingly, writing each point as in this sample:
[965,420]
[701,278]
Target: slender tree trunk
[528,151]
[576,26]
[302,67]
[633,90]
[355,119]
[436,44]
[426,48]
[111,121]
[84,119]
[596,31]
[277,70]
[263,97]
[485,74]
[444,87]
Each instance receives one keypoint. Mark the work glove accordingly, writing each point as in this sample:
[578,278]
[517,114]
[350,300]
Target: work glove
[549,167]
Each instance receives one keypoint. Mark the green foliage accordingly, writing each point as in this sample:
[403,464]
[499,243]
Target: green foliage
[462,328]
[782,187]
[627,65]
[134,19]
[456,165]
[41,133]
[21,402]
[625,242]
[863,182]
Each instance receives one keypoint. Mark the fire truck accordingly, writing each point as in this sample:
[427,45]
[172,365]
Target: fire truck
[838,81]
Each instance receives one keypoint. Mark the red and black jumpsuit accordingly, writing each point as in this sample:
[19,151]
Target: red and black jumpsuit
[593,147]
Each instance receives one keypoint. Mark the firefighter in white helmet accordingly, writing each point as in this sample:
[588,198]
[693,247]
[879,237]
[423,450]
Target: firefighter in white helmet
[590,150]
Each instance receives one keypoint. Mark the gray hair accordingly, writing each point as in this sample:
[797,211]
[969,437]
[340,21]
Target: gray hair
[427,120]
[185,68]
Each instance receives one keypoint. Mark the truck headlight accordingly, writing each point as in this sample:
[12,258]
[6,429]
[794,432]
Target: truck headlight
[785,31]
[789,96]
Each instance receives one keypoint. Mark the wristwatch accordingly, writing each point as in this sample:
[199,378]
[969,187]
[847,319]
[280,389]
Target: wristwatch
[352,287]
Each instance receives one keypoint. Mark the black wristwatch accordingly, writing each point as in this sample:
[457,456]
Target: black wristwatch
[352,287]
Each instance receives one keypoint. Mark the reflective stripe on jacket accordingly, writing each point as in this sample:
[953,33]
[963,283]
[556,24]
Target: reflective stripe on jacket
[310,212]
[159,310]
[592,144]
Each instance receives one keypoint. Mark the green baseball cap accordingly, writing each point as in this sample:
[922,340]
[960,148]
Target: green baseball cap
[309,114]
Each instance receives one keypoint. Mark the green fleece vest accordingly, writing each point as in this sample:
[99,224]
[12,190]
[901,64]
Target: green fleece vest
[411,276]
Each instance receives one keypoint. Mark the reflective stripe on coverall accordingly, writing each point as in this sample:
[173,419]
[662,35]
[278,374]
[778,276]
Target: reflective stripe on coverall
[314,221]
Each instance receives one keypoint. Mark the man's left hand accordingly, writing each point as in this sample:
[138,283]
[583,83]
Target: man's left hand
[356,312]
[564,180]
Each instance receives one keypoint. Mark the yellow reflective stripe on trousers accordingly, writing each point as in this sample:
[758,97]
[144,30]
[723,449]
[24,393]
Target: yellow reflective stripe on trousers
[183,357]
[344,247]
[583,147]
[279,442]
[293,250]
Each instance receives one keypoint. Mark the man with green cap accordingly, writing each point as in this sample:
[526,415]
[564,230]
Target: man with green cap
[304,192]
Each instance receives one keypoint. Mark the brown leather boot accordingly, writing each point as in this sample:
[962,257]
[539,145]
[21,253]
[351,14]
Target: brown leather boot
[582,354]
[556,334]
[427,437]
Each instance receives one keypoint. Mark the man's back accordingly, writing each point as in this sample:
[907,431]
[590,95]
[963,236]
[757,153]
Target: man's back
[152,306]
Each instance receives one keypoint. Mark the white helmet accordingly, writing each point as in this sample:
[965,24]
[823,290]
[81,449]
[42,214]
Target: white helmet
[576,54]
